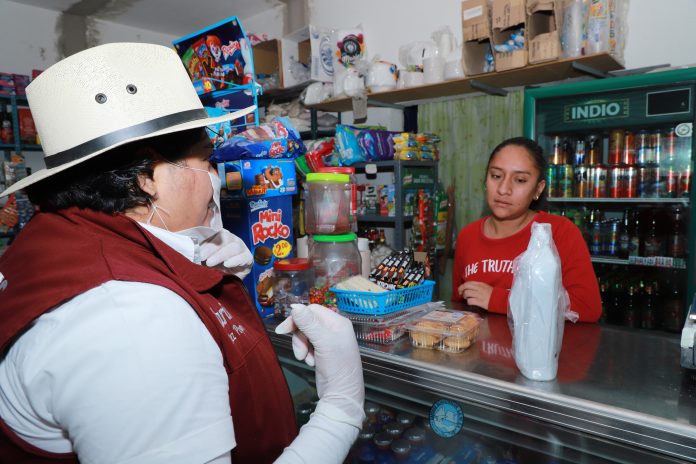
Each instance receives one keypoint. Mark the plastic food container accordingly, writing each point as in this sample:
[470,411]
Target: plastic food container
[444,330]
[350,172]
[334,258]
[383,329]
[328,203]
[293,278]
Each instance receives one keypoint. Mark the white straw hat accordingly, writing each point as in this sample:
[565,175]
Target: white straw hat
[107,96]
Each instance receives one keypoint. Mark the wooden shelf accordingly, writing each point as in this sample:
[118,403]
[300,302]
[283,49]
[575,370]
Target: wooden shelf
[530,74]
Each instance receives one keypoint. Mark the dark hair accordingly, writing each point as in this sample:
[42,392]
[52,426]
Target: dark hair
[535,152]
[109,182]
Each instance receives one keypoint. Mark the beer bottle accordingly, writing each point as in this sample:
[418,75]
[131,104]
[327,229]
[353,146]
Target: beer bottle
[616,301]
[652,242]
[634,235]
[648,311]
[676,239]
[625,235]
[673,315]
[630,312]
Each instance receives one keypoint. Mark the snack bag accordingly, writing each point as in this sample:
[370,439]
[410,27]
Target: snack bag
[348,146]
[277,139]
[538,305]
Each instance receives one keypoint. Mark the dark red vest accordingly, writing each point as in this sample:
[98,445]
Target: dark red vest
[61,255]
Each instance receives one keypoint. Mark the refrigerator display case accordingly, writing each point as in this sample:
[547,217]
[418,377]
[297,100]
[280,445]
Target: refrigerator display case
[619,397]
[620,167]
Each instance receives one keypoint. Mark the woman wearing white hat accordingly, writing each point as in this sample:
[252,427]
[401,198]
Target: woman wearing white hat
[119,345]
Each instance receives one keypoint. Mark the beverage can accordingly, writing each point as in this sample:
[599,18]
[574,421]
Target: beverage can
[616,141]
[642,146]
[630,175]
[582,181]
[670,180]
[552,180]
[594,150]
[684,185]
[629,149]
[616,182]
[598,181]
[596,238]
[580,152]
[657,147]
[612,241]
[557,153]
[565,180]
[647,181]
[669,143]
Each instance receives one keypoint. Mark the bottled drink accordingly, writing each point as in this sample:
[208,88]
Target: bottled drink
[625,235]
[568,151]
[629,149]
[643,147]
[616,182]
[630,312]
[676,238]
[673,315]
[652,241]
[552,180]
[582,181]
[611,241]
[616,302]
[557,155]
[649,309]
[598,180]
[634,234]
[630,176]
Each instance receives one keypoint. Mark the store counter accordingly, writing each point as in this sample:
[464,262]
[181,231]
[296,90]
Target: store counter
[620,395]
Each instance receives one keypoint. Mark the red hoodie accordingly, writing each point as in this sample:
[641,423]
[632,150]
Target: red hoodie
[482,259]
[61,255]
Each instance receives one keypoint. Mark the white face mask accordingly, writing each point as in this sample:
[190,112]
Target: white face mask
[199,233]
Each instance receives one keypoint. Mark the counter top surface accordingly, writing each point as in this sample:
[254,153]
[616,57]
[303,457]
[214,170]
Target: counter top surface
[623,382]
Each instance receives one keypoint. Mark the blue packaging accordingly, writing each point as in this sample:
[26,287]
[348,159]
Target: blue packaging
[265,226]
[259,178]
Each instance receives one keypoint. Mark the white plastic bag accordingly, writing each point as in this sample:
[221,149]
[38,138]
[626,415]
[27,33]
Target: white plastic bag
[538,306]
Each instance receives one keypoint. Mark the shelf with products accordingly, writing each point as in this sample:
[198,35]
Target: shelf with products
[490,82]
[682,201]
[666,262]
[379,218]
[17,124]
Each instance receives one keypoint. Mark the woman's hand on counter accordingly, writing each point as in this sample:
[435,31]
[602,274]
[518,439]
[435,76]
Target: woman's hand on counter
[476,293]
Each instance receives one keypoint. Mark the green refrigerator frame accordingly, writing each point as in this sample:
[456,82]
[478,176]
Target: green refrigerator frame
[668,78]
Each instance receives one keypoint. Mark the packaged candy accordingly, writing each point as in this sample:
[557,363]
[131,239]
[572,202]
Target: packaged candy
[277,139]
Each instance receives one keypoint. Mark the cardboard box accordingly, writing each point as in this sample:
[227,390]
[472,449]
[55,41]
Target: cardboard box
[474,56]
[476,20]
[267,58]
[259,178]
[509,16]
[508,13]
[543,30]
[27,129]
[265,225]
[321,46]
[217,57]
[296,47]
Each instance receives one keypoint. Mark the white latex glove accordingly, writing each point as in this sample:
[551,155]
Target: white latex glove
[326,340]
[229,250]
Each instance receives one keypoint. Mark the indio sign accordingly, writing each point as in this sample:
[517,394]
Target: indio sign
[596,110]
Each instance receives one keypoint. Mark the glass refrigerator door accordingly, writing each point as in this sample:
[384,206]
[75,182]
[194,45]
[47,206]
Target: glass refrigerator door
[620,167]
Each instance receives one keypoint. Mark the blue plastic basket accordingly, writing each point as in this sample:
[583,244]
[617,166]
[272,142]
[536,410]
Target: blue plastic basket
[385,302]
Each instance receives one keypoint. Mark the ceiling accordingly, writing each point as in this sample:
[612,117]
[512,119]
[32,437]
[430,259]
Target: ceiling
[174,17]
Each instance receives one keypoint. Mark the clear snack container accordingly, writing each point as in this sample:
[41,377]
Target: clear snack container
[383,329]
[445,330]
[328,203]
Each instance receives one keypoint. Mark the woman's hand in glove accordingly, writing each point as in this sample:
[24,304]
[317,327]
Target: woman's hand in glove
[228,249]
[326,340]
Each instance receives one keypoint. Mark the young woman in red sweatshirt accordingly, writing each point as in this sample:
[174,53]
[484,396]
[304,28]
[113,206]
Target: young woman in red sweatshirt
[483,272]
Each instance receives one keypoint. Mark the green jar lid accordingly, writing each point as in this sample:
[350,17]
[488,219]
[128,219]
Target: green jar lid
[349,237]
[328,177]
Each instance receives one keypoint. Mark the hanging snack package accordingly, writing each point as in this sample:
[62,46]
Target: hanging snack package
[538,306]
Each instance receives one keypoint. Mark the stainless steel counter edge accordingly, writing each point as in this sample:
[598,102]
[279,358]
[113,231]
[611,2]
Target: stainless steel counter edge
[424,381]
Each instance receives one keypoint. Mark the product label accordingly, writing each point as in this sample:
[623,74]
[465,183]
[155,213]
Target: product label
[596,110]
[472,13]
[269,226]
[446,317]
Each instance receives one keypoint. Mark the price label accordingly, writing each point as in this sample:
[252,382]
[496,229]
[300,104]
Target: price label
[282,249]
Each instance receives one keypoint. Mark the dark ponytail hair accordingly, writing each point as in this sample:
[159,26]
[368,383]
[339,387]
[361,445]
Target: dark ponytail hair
[535,152]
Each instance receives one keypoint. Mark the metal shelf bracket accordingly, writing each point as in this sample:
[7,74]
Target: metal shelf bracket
[489,89]
[589,70]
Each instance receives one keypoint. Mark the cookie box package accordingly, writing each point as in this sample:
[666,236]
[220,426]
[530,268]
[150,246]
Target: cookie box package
[265,225]
[218,57]
[259,178]
[384,329]
[445,330]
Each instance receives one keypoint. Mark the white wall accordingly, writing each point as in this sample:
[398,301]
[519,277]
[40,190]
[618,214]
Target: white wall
[271,22]
[107,32]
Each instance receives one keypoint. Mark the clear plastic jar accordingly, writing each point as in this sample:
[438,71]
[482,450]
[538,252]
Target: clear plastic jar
[328,203]
[334,259]
[293,278]
[350,172]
